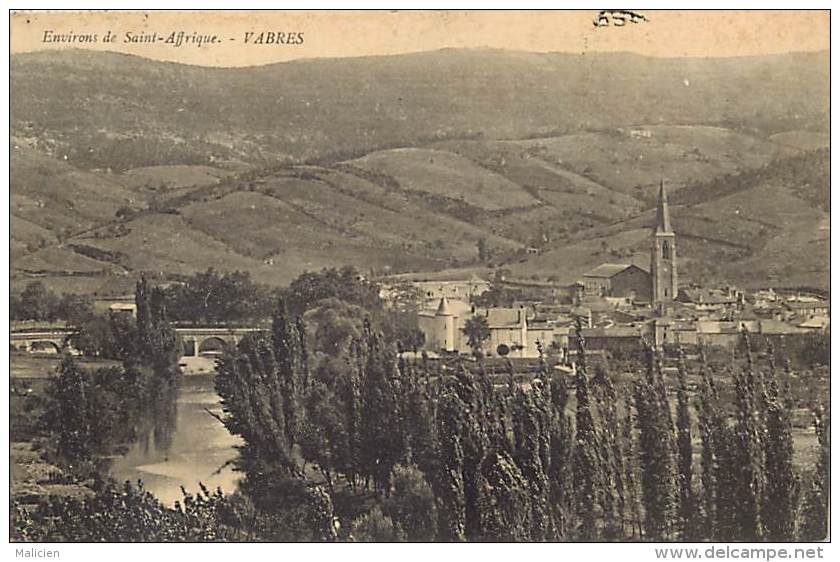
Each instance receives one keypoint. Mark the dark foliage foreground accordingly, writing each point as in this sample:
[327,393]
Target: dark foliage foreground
[392,451]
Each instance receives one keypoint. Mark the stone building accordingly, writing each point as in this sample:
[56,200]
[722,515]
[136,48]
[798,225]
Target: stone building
[621,280]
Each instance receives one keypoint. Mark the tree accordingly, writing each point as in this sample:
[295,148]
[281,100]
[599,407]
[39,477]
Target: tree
[477,331]
[95,337]
[483,250]
[158,344]
[252,396]
[68,413]
[449,483]
[333,324]
[289,345]
[655,452]
[506,515]
[529,458]
[375,526]
[684,456]
[212,297]
[381,441]
[750,434]
[709,424]
[75,309]
[411,504]
[782,492]
[561,446]
[323,436]
[37,303]
[586,465]
[345,284]
[815,513]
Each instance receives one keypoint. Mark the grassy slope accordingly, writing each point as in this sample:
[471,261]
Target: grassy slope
[447,175]
[580,178]
[763,232]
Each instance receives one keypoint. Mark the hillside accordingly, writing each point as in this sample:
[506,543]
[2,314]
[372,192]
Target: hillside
[764,226]
[280,169]
[130,112]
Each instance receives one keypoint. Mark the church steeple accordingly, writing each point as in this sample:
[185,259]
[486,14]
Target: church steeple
[663,255]
[663,216]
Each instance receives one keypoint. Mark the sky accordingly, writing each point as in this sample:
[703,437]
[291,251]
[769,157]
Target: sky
[364,33]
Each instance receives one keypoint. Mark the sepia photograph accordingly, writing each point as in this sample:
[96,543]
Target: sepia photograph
[424,276]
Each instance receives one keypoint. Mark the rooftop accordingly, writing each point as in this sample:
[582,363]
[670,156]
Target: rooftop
[607,270]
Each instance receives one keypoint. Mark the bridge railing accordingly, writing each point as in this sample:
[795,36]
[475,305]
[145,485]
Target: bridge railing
[38,326]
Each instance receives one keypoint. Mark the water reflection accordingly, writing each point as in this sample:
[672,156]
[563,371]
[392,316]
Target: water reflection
[189,447]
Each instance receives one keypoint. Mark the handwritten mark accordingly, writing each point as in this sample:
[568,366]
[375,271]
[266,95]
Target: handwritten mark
[618,18]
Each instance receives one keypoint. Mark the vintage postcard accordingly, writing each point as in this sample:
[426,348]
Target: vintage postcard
[420,276]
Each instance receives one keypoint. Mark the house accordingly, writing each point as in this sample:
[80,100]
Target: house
[429,291]
[711,300]
[815,323]
[511,332]
[807,307]
[618,280]
[615,339]
[123,309]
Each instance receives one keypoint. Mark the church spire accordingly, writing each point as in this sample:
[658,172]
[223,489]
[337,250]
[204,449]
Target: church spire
[663,216]
[663,255]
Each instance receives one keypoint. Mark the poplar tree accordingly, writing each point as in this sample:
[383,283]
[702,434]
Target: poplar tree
[449,484]
[288,342]
[684,456]
[749,432]
[506,513]
[527,435]
[380,439]
[611,456]
[655,453]
[782,491]
[420,426]
[631,481]
[586,465]
[475,443]
[708,421]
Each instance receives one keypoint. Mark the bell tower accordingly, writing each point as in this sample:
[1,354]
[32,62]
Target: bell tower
[663,255]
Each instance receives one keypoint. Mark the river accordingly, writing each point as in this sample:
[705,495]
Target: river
[194,451]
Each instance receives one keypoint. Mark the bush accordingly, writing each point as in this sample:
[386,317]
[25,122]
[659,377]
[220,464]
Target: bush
[375,526]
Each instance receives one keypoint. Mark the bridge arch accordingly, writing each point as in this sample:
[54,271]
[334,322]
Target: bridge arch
[44,346]
[213,345]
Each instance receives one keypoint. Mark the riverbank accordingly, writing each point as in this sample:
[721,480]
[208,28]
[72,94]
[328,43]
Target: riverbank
[33,479]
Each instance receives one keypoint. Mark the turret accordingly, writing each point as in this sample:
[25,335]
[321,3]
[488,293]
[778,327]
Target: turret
[445,321]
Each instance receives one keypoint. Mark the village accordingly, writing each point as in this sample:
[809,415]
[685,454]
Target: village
[618,306]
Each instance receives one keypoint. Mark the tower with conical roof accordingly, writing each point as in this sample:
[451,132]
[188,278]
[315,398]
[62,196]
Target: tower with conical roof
[445,326]
[663,255]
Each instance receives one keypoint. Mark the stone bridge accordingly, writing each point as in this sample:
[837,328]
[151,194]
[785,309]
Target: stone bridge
[210,341]
[42,341]
[195,341]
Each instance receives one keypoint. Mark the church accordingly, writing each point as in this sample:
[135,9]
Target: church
[517,328]
[658,285]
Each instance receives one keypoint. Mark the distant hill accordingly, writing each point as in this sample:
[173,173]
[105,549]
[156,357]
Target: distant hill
[404,163]
[129,111]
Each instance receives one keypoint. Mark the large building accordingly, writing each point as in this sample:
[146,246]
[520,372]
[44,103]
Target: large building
[622,280]
[663,256]
[511,332]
